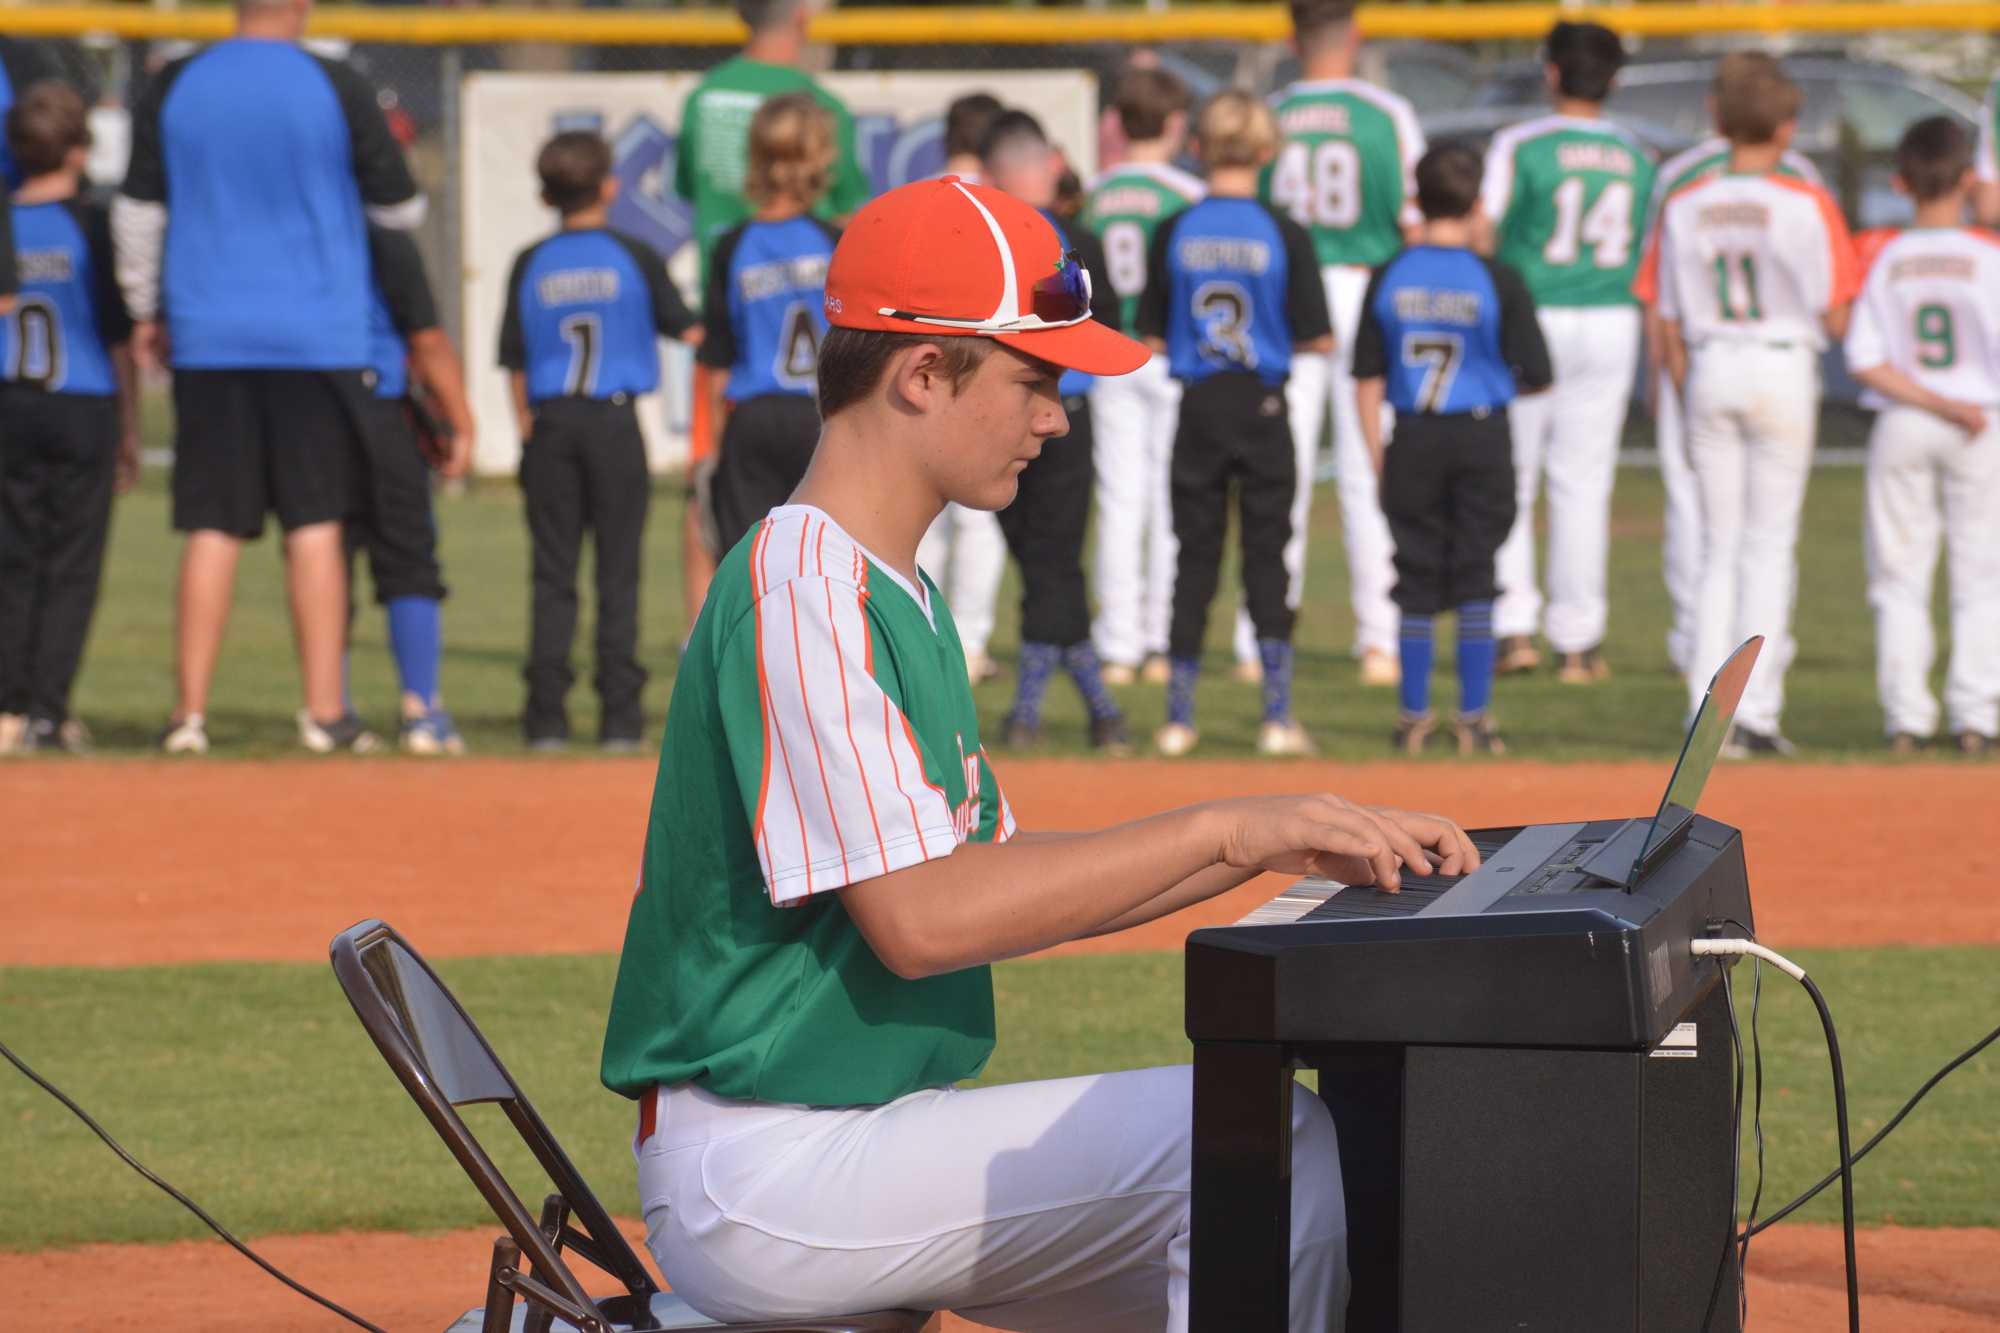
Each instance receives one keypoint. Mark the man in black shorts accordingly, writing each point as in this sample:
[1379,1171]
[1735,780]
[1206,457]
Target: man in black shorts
[274,160]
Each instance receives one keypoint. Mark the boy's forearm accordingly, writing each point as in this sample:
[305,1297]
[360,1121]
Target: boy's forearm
[1368,395]
[125,370]
[1835,321]
[1673,350]
[438,367]
[1196,888]
[1890,382]
[718,407]
[524,413]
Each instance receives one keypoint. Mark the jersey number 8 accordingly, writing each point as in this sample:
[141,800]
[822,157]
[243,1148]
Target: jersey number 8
[1606,227]
[1319,184]
[1125,254]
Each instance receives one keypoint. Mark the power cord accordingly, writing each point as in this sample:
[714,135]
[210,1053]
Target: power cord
[182,1199]
[1739,947]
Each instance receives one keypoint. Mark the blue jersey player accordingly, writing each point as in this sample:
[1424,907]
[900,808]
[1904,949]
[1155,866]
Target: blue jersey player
[69,419]
[1232,290]
[1448,339]
[585,311]
[764,317]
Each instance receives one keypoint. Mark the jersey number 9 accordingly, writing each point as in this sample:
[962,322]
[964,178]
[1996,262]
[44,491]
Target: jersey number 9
[1606,227]
[1319,184]
[1936,348]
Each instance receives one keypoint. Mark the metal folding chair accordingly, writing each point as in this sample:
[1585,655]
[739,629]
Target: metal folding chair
[444,1062]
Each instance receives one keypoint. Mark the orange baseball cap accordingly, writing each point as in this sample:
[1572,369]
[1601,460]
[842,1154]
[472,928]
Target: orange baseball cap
[951,259]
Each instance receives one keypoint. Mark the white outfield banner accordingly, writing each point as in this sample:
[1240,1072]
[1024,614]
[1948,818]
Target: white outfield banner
[898,125]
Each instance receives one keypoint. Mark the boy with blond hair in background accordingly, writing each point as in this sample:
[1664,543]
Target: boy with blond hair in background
[1755,270]
[764,318]
[1135,414]
[1925,344]
[1232,292]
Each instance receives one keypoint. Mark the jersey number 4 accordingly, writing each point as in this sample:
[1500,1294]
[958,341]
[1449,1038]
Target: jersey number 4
[1606,227]
[1319,184]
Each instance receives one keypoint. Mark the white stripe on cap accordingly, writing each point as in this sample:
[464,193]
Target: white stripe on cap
[1010,291]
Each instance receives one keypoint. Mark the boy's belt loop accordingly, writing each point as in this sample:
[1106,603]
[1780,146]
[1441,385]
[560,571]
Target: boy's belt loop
[649,1113]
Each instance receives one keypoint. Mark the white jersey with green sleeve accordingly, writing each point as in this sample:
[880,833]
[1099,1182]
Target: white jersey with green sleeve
[1125,205]
[1346,167]
[1709,156]
[1568,198]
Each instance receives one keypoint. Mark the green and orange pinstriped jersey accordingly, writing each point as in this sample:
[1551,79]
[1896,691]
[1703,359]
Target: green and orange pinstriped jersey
[1125,206]
[1568,199]
[821,733]
[1344,168]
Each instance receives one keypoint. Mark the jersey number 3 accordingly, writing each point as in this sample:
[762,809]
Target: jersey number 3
[1606,227]
[1319,184]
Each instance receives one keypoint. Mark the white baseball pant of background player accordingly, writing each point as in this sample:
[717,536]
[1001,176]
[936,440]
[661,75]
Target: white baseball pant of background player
[1917,462]
[1135,417]
[1055,1205]
[1680,547]
[1568,436]
[1752,410]
[1317,380]
[965,554]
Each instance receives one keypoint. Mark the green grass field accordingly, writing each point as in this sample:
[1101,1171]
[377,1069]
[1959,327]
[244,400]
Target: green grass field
[253,1087]
[127,685]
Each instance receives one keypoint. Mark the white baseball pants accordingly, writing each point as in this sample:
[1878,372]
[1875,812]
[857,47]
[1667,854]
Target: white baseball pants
[1059,1205]
[1752,412]
[965,555]
[1681,548]
[1317,381]
[1568,435]
[1930,483]
[1135,417]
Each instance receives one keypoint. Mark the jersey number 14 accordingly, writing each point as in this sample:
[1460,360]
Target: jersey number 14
[1319,184]
[1606,227]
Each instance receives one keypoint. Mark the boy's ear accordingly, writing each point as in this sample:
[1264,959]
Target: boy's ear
[1901,186]
[607,190]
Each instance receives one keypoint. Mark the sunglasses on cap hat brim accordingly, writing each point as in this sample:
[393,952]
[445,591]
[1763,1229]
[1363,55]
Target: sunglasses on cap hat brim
[1058,327]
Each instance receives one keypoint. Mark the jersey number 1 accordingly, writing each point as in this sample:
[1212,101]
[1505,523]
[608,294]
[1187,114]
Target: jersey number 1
[1606,228]
[37,343]
[585,336]
[1319,184]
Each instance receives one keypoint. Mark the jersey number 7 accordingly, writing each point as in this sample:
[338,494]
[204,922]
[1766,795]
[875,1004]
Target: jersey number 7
[1439,354]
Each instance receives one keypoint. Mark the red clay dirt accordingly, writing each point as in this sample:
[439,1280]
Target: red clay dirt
[121,864]
[1912,1282]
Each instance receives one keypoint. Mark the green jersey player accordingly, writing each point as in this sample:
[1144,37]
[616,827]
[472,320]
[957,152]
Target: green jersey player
[1343,172]
[1567,194]
[715,125]
[1135,415]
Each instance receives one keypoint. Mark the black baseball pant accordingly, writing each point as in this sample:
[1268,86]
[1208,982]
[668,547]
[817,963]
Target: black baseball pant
[1448,493]
[1233,428]
[584,467]
[396,527]
[766,448]
[1044,528]
[58,466]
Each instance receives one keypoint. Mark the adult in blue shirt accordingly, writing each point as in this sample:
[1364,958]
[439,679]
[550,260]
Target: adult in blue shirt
[243,254]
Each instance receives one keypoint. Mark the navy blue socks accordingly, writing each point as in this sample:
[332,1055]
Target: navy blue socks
[1414,645]
[416,637]
[1184,669]
[1475,657]
[1276,655]
[1080,659]
[1037,665]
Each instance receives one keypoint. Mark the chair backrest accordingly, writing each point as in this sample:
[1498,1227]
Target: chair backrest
[444,1062]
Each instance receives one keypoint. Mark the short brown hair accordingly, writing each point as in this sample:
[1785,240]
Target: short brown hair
[966,121]
[1319,23]
[853,361]
[1448,179]
[1753,100]
[1145,99]
[763,15]
[1236,130]
[573,166]
[42,128]
[1933,158]
[791,150]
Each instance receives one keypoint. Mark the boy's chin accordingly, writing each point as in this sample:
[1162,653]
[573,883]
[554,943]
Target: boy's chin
[993,496]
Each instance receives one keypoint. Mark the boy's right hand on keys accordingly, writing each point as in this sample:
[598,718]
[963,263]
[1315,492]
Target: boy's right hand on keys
[1329,835]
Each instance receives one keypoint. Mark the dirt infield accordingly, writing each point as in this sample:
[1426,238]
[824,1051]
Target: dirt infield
[1912,1282]
[120,864]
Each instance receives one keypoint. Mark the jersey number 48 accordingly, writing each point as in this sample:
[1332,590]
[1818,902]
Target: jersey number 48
[1319,184]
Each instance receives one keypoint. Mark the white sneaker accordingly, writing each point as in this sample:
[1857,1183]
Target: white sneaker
[1175,739]
[1380,668]
[1117,673]
[1287,738]
[188,736]
[344,733]
[13,732]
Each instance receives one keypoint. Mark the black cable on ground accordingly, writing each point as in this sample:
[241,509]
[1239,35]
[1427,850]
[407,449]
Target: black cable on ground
[180,1198]
[1883,1133]
[1846,1154]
